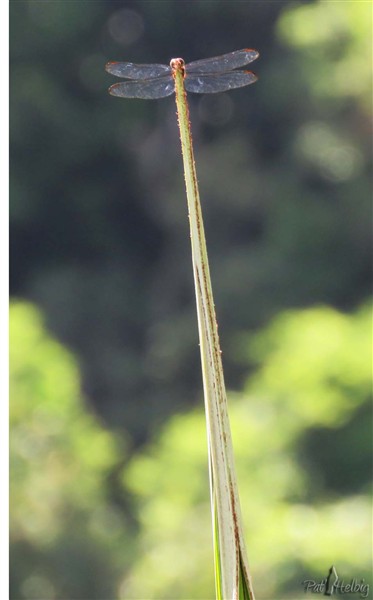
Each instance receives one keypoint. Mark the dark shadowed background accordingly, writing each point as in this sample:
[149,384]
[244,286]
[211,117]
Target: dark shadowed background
[100,249]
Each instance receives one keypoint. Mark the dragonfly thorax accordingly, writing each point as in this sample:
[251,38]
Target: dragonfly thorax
[177,64]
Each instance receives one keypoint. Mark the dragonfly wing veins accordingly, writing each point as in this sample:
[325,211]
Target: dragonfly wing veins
[132,71]
[149,89]
[211,84]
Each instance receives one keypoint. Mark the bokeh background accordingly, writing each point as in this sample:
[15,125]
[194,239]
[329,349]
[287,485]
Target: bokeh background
[109,481]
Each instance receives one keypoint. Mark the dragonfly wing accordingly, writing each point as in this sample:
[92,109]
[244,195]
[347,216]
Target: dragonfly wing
[211,84]
[132,71]
[149,89]
[225,62]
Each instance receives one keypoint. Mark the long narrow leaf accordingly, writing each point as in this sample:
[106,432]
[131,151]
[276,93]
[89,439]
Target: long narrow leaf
[232,577]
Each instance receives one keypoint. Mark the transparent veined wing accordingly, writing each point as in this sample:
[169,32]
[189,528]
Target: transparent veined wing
[132,71]
[149,89]
[225,62]
[211,84]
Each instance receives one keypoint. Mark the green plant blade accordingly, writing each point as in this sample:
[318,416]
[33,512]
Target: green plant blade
[232,578]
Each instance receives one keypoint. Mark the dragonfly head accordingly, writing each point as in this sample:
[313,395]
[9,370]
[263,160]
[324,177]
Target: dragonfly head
[177,64]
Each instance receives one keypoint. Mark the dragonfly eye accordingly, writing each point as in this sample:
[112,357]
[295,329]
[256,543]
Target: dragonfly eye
[177,64]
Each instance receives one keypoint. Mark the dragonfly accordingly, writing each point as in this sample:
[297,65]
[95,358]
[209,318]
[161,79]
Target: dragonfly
[207,76]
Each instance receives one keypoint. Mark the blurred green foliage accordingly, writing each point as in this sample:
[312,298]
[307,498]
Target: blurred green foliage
[314,376]
[342,30]
[68,537]
[105,489]
[313,380]
[99,232]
